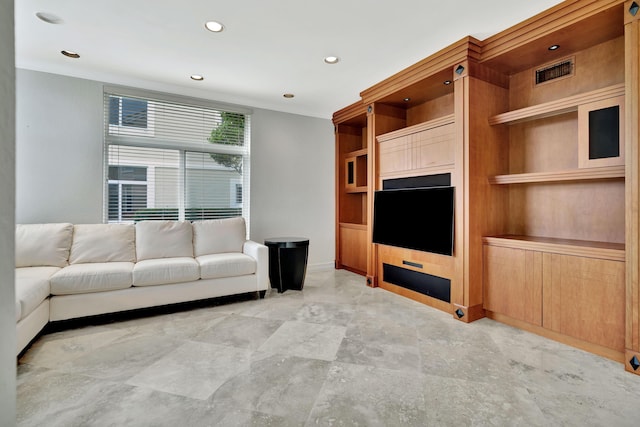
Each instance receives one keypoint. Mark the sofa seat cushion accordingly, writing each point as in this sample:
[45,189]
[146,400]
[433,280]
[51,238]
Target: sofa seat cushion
[103,243]
[225,265]
[165,270]
[32,287]
[92,277]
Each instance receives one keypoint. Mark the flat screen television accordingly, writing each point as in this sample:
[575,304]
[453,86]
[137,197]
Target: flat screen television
[416,218]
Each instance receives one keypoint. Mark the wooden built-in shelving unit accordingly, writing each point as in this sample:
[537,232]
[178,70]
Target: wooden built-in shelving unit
[546,176]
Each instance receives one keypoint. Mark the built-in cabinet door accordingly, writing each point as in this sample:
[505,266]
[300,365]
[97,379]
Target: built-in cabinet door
[395,155]
[584,298]
[513,283]
[353,244]
[434,147]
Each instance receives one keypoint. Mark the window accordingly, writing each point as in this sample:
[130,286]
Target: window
[192,164]
[127,192]
[235,192]
[130,116]
[128,112]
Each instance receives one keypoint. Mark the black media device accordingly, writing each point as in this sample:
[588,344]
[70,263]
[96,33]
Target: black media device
[415,218]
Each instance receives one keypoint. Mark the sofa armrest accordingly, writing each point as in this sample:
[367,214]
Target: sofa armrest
[260,253]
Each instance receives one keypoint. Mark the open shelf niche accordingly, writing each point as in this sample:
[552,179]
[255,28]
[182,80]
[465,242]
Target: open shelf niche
[351,188]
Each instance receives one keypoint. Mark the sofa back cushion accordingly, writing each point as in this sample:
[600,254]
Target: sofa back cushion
[103,243]
[43,244]
[163,239]
[217,236]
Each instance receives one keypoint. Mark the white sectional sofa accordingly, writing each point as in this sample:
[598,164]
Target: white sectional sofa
[66,271]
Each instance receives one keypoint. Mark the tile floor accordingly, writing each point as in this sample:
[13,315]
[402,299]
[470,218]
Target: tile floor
[337,353]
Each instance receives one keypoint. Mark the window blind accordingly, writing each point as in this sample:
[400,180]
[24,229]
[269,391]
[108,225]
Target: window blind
[173,158]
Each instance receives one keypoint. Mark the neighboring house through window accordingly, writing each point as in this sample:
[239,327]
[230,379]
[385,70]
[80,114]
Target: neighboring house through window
[173,159]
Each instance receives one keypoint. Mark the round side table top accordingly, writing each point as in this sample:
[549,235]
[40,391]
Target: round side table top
[290,242]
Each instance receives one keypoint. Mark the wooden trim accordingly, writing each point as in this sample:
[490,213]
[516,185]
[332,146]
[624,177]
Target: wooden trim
[554,108]
[441,60]
[409,130]
[469,314]
[632,187]
[588,249]
[628,356]
[349,113]
[614,355]
[551,20]
[608,172]
[372,281]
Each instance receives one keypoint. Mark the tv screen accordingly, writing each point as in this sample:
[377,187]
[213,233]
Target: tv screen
[417,218]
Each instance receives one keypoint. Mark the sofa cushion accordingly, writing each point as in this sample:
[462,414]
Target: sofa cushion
[43,244]
[92,277]
[163,239]
[217,236]
[103,243]
[165,270]
[32,287]
[225,265]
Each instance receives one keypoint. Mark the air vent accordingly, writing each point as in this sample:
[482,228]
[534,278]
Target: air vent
[555,71]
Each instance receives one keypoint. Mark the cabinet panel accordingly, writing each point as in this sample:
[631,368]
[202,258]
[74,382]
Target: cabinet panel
[585,298]
[395,155]
[434,147]
[353,244]
[513,283]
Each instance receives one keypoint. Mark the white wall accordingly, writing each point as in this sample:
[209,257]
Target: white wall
[59,163]
[7,205]
[59,158]
[292,181]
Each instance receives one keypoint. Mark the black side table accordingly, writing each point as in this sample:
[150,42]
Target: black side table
[287,262]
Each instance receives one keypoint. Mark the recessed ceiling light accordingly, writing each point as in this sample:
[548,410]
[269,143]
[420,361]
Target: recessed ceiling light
[197,77]
[447,82]
[214,26]
[49,18]
[331,59]
[407,99]
[554,47]
[288,95]
[70,54]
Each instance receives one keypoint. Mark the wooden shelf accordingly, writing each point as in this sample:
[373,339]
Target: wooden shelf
[608,172]
[357,153]
[589,249]
[353,226]
[356,189]
[554,108]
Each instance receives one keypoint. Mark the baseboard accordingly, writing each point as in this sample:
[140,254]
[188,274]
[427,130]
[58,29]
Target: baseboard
[323,266]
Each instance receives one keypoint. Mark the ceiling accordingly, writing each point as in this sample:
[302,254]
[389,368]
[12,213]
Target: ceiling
[268,47]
